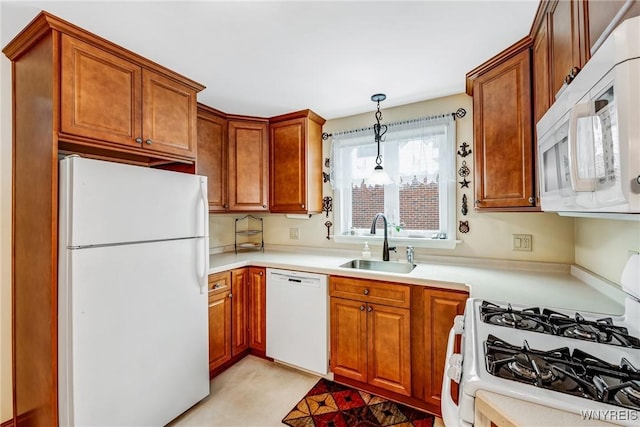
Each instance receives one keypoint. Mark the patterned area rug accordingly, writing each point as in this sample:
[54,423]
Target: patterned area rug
[334,405]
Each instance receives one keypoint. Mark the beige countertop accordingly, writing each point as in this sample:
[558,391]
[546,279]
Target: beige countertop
[503,411]
[528,283]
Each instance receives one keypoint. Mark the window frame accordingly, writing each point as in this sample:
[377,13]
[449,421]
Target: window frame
[447,197]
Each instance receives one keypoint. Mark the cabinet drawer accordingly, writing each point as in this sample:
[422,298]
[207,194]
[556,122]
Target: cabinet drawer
[386,293]
[219,282]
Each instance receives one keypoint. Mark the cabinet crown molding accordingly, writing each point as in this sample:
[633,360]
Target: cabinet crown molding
[45,22]
[525,43]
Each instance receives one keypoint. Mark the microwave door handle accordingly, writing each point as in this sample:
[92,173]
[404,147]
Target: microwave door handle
[577,183]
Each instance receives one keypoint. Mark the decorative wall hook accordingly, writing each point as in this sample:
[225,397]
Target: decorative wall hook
[327,162]
[464,170]
[464,183]
[463,150]
[464,226]
[327,205]
[328,224]
[326,177]
[464,205]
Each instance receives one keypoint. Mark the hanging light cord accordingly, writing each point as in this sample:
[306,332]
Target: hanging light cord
[378,129]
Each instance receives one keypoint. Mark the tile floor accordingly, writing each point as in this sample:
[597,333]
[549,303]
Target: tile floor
[252,393]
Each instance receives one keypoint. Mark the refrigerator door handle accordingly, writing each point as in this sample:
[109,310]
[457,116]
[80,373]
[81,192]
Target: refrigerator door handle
[205,240]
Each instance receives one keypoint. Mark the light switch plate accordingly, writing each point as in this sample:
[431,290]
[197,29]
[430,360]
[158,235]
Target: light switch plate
[294,233]
[522,242]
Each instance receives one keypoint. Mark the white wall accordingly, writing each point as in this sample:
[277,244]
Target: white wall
[603,246]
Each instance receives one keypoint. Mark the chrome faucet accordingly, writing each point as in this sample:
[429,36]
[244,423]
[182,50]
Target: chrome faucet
[410,254]
[385,245]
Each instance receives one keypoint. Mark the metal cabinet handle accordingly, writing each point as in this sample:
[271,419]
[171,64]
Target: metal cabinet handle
[531,200]
[366,291]
[362,308]
[264,206]
[261,273]
[302,206]
[369,309]
[226,206]
[230,295]
[215,286]
[139,140]
[638,179]
[149,141]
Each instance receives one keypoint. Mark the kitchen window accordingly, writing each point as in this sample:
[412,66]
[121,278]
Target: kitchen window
[419,204]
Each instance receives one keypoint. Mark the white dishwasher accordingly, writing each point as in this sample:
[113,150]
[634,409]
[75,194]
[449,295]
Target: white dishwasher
[297,319]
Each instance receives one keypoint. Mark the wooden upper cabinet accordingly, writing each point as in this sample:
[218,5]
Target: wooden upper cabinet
[110,102]
[168,115]
[503,130]
[542,95]
[248,165]
[100,94]
[212,156]
[296,163]
[568,44]
[604,16]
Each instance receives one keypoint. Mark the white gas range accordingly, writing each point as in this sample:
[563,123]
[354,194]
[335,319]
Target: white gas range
[584,363]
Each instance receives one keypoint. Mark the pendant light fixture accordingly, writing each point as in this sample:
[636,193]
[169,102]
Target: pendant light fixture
[379,176]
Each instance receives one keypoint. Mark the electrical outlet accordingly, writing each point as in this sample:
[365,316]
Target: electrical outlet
[522,242]
[294,233]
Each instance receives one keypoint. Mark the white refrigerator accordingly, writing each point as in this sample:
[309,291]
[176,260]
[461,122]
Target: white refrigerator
[132,323]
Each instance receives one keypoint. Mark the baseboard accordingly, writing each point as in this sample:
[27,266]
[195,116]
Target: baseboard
[8,423]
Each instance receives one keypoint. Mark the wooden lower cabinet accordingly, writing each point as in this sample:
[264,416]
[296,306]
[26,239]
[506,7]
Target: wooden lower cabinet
[257,310]
[396,349]
[237,316]
[219,319]
[239,305]
[370,342]
[433,311]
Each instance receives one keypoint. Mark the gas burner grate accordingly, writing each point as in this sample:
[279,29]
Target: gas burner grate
[551,322]
[576,373]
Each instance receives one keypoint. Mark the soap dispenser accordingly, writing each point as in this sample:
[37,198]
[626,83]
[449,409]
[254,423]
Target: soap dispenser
[366,252]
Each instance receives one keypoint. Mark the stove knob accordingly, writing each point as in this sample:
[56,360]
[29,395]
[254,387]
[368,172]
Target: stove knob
[458,324]
[454,370]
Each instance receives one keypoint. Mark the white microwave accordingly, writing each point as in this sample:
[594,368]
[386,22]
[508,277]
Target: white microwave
[589,140]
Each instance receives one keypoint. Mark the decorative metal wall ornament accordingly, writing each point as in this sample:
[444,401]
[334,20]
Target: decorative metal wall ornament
[464,183]
[460,113]
[464,170]
[464,226]
[326,177]
[464,209]
[327,205]
[328,224]
[463,150]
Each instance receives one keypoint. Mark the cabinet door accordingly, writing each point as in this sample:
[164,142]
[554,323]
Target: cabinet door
[540,55]
[288,185]
[503,154]
[169,116]
[257,309]
[239,282]
[440,307]
[568,40]
[100,95]
[219,329]
[389,356]
[211,159]
[248,166]
[348,320]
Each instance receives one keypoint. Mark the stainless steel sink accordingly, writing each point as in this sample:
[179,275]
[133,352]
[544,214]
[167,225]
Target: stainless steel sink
[385,266]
